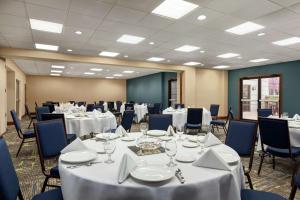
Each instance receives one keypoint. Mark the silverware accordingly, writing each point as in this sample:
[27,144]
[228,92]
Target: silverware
[83,165]
[179,176]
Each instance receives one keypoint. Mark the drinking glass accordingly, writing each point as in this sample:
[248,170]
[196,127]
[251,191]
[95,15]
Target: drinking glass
[180,131]
[109,148]
[144,128]
[171,150]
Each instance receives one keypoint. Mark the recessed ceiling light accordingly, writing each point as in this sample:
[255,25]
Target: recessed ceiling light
[118,75]
[46,47]
[128,72]
[78,32]
[155,59]
[174,9]
[187,48]
[41,25]
[125,56]
[201,17]
[108,54]
[54,74]
[56,71]
[202,51]
[89,73]
[130,39]
[221,67]
[192,63]
[259,60]
[109,77]
[245,28]
[288,41]
[58,66]
[69,50]
[261,34]
[151,43]
[96,69]
[228,55]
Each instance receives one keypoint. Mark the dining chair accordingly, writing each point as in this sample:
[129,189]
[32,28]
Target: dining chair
[41,110]
[90,107]
[9,182]
[51,139]
[50,106]
[99,107]
[160,122]
[194,119]
[264,112]
[179,105]
[111,106]
[127,119]
[72,102]
[30,115]
[132,102]
[275,140]
[247,194]
[222,123]
[241,137]
[101,102]
[214,110]
[157,108]
[119,104]
[81,103]
[129,106]
[52,116]
[295,185]
[26,136]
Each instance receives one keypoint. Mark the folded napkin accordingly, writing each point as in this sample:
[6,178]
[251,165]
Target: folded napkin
[211,140]
[211,159]
[170,131]
[76,145]
[296,117]
[170,109]
[127,165]
[121,131]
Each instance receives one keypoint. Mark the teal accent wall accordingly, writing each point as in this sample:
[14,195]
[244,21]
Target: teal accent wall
[290,77]
[150,89]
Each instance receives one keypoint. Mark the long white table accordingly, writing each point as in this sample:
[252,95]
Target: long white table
[100,181]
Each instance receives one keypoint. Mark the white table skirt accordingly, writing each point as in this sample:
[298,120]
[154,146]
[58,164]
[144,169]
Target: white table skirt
[84,125]
[139,110]
[180,117]
[99,181]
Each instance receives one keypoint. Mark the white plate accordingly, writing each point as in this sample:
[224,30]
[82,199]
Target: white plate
[156,133]
[152,173]
[186,158]
[128,138]
[78,156]
[104,136]
[195,138]
[166,138]
[229,158]
[190,144]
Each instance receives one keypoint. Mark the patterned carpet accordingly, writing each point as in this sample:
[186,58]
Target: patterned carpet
[31,178]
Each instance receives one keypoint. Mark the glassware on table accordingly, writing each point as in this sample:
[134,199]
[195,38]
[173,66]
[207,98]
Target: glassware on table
[109,148]
[285,115]
[171,150]
[144,128]
[180,131]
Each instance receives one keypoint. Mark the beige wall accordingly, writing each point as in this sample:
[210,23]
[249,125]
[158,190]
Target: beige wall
[63,89]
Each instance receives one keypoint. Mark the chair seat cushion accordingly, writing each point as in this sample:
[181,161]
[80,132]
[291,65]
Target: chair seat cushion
[218,122]
[54,172]
[283,152]
[29,134]
[193,126]
[259,195]
[71,137]
[51,194]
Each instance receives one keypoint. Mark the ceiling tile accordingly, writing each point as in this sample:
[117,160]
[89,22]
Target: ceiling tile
[146,6]
[126,15]
[91,7]
[16,8]
[286,2]
[82,21]
[155,22]
[46,13]
[57,4]
[12,20]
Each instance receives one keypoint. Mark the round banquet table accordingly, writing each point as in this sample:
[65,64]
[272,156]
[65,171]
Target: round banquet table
[139,110]
[180,117]
[85,125]
[100,181]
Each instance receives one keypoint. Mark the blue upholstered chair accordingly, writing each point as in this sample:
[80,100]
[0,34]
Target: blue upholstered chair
[157,108]
[129,106]
[41,110]
[118,104]
[264,112]
[50,106]
[90,107]
[26,136]
[275,134]
[241,137]
[160,122]
[31,115]
[127,119]
[81,103]
[111,106]
[99,107]
[259,195]
[222,123]
[194,119]
[179,105]
[72,102]
[295,185]
[101,102]
[214,110]
[51,139]
[51,116]
[9,182]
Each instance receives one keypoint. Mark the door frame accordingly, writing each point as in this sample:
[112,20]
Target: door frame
[259,91]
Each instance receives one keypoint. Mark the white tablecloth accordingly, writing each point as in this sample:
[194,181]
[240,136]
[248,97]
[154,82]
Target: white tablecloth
[180,117]
[100,181]
[87,124]
[140,111]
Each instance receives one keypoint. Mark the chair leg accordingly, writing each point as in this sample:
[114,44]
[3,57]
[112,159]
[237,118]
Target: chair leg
[45,183]
[249,181]
[293,192]
[273,161]
[30,123]
[20,195]
[20,147]
[261,162]
[225,130]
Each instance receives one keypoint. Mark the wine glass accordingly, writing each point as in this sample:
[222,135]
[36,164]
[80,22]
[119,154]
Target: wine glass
[171,150]
[144,128]
[180,131]
[109,148]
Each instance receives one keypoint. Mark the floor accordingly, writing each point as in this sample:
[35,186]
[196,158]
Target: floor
[31,178]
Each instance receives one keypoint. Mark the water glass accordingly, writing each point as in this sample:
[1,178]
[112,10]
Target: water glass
[109,148]
[180,131]
[171,150]
[144,128]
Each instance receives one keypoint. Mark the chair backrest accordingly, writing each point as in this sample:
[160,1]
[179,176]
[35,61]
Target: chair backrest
[214,110]
[132,102]
[51,138]
[160,122]
[50,106]
[129,106]
[89,107]
[264,112]
[230,115]
[16,121]
[81,103]
[72,102]
[27,110]
[110,105]
[9,183]
[179,105]
[41,110]
[52,116]
[127,119]
[119,104]
[101,102]
[274,132]
[99,107]
[194,116]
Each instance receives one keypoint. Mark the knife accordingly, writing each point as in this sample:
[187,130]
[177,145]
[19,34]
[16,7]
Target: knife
[179,176]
